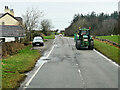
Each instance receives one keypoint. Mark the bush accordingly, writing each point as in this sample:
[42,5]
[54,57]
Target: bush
[10,48]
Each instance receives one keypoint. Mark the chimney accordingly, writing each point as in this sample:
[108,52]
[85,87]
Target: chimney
[12,12]
[7,10]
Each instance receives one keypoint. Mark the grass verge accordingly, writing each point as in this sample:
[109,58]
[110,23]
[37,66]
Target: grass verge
[49,37]
[111,38]
[14,67]
[108,50]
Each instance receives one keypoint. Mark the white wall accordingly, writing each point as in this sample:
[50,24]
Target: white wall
[8,20]
[9,39]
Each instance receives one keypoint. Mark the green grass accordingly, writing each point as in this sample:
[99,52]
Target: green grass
[49,37]
[111,38]
[107,50]
[14,67]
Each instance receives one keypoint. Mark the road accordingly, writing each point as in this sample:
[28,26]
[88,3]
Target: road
[71,68]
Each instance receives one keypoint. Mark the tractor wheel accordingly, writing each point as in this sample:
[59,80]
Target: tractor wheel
[91,45]
[78,44]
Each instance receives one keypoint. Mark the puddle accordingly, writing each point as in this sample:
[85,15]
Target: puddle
[41,60]
[56,46]
[44,58]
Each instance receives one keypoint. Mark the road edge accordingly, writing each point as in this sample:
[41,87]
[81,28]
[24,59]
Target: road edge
[27,84]
[106,57]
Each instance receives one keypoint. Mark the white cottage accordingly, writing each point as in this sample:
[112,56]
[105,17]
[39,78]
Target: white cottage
[10,26]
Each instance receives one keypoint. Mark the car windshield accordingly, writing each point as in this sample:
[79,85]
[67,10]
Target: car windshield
[38,38]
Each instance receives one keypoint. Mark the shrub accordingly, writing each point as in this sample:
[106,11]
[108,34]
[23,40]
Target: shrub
[10,48]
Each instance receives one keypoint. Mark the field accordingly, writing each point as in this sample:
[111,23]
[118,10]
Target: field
[49,37]
[109,51]
[111,38]
[14,67]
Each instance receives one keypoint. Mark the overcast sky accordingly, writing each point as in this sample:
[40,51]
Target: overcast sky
[61,12]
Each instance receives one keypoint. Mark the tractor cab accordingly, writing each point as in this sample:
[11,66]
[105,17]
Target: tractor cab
[83,39]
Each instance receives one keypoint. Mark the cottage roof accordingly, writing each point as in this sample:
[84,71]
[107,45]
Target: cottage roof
[12,31]
[19,19]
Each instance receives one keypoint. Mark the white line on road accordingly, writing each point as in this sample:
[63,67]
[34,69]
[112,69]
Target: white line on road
[81,77]
[105,57]
[79,71]
[27,84]
[50,51]
[34,74]
[77,64]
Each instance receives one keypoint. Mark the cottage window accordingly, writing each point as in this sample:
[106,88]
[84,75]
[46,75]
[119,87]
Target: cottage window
[3,23]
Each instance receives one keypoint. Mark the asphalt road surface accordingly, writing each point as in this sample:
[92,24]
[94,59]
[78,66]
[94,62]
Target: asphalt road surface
[68,67]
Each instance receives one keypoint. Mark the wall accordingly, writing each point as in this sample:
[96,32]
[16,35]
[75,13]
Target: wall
[8,20]
[9,39]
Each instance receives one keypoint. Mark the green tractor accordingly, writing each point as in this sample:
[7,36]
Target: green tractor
[83,39]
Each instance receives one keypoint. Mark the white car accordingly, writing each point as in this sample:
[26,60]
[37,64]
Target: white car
[38,41]
[60,35]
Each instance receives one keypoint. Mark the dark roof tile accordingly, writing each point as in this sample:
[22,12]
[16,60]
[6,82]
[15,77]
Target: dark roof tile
[12,31]
[19,19]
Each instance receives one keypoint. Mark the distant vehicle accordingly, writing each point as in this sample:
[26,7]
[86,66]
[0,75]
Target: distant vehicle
[38,41]
[60,35]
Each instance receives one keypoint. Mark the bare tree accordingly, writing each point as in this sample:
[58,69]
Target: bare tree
[31,20]
[46,26]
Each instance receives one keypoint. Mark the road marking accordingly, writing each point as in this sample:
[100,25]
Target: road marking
[77,64]
[34,74]
[79,71]
[81,77]
[105,57]
[27,84]
[50,51]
